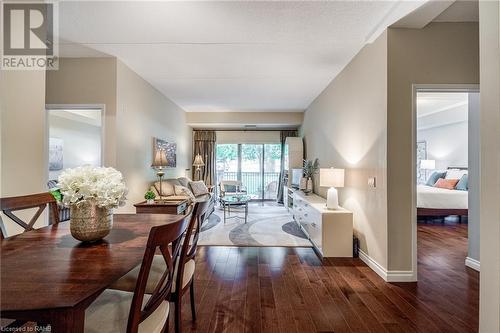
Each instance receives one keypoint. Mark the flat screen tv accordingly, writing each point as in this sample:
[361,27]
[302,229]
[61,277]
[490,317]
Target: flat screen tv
[296,176]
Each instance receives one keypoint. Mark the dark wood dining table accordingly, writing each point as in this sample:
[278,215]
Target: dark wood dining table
[49,277]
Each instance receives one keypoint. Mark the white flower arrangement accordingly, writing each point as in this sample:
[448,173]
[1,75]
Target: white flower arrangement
[104,186]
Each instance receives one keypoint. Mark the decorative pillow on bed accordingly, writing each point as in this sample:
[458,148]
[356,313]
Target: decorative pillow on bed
[463,183]
[434,177]
[448,184]
[455,173]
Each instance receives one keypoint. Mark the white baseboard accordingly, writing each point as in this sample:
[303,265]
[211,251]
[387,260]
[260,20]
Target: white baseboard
[388,276]
[473,263]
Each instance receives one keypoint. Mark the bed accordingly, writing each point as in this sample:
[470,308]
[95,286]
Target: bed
[438,202]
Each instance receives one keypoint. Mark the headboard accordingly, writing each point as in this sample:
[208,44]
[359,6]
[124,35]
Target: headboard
[458,167]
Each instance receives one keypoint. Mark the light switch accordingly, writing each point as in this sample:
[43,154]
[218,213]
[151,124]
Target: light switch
[372,182]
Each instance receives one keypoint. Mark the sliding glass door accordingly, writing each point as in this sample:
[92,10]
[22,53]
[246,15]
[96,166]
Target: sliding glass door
[257,166]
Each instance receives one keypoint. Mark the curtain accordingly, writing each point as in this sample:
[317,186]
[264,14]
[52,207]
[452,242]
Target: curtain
[204,144]
[283,136]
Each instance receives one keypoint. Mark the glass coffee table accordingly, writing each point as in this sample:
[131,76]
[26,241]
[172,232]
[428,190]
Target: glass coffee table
[235,201]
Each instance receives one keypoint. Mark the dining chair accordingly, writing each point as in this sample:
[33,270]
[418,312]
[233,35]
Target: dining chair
[40,200]
[137,311]
[183,274]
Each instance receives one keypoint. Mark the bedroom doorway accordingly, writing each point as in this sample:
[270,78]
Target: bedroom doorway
[446,169]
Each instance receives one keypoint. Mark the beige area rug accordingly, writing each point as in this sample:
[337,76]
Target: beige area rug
[268,225]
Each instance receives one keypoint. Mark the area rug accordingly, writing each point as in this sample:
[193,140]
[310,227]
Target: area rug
[267,225]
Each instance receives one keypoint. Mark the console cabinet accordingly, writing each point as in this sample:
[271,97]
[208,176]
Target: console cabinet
[330,231]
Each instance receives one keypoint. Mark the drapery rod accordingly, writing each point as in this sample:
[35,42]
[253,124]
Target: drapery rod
[247,130]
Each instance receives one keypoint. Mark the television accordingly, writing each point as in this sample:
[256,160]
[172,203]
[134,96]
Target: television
[296,176]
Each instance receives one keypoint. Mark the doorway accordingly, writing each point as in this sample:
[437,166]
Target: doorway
[446,178]
[75,138]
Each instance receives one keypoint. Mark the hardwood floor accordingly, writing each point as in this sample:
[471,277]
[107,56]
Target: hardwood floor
[250,289]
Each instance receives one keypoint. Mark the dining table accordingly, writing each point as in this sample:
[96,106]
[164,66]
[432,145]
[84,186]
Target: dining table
[50,278]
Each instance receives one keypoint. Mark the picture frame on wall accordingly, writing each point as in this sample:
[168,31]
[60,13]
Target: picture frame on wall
[170,150]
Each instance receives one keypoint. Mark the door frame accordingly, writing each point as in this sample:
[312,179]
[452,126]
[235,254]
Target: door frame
[49,107]
[468,88]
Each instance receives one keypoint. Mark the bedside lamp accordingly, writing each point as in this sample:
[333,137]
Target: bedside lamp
[331,178]
[159,163]
[198,162]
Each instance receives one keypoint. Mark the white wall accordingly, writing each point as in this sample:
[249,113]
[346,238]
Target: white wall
[346,127]
[81,142]
[143,113]
[447,144]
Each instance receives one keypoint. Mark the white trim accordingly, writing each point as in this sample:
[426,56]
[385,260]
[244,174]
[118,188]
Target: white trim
[388,276]
[473,263]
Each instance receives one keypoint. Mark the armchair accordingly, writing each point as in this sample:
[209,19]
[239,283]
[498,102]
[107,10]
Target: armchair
[229,187]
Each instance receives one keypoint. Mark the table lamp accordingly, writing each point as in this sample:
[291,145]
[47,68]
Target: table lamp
[159,163]
[331,178]
[198,162]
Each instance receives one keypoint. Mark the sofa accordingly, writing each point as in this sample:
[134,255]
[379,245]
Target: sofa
[185,188]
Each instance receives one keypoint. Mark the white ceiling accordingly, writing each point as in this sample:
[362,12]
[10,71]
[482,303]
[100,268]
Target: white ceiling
[229,56]
[434,102]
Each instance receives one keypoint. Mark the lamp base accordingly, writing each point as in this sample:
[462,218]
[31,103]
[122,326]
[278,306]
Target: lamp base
[332,199]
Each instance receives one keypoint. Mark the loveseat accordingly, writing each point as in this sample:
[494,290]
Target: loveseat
[185,188]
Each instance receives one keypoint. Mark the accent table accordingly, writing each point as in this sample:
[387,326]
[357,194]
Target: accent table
[177,207]
[238,200]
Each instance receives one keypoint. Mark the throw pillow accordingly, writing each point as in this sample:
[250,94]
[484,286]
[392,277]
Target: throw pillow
[463,183]
[448,184]
[434,177]
[183,191]
[230,188]
[184,181]
[455,173]
[166,188]
[198,188]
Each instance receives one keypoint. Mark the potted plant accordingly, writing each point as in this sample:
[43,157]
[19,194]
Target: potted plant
[310,168]
[150,197]
[91,193]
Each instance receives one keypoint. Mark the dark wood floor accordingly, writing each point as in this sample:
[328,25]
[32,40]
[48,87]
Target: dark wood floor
[289,290]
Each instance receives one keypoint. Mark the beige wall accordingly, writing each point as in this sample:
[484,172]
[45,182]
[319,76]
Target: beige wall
[238,119]
[23,136]
[143,113]
[489,18]
[346,127]
[87,81]
[441,53]
[135,112]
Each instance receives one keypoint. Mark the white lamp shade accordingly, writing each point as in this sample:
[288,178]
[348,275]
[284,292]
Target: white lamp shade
[198,161]
[160,159]
[428,164]
[331,177]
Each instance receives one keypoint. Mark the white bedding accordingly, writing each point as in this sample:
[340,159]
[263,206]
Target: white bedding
[434,197]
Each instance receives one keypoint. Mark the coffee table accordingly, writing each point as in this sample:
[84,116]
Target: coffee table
[235,200]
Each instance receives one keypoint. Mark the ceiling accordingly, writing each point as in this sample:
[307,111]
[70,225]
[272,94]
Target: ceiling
[229,56]
[433,102]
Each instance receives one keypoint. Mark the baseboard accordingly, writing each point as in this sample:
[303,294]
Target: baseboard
[388,276]
[473,263]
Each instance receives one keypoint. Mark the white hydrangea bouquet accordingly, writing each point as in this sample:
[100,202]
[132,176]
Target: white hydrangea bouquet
[104,186]
[92,193]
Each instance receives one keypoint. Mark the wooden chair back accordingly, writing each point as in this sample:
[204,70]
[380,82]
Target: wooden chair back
[166,239]
[190,243]
[39,200]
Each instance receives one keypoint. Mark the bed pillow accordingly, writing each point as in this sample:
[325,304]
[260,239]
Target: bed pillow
[463,183]
[448,184]
[434,177]
[455,173]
